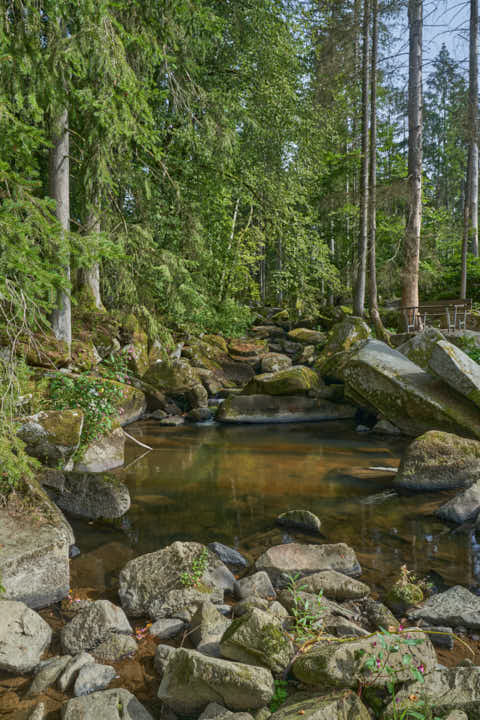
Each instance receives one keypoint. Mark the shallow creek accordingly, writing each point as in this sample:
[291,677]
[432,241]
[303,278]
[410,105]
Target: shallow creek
[228,483]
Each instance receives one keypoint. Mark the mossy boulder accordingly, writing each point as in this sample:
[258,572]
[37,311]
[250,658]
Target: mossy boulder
[344,665]
[40,350]
[136,352]
[90,495]
[300,519]
[343,339]
[308,337]
[52,436]
[403,596]
[191,681]
[281,317]
[175,377]
[281,409]
[203,354]
[334,706]
[247,348]
[257,638]
[420,347]
[216,340]
[274,362]
[439,461]
[456,369]
[403,393]
[130,405]
[334,585]
[84,355]
[297,380]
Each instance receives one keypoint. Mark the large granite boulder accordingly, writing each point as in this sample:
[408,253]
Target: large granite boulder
[280,409]
[343,339]
[34,555]
[343,665]
[282,561]
[419,348]
[455,607]
[24,636]
[297,380]
[464,506]
[403,393]
[191,681]
[104,453]
[87,495]
[335,706]
[457,369]
[439,461]
[53,436]
[92,624]
[257,638]
[146,581]
[444,691]
[116,704]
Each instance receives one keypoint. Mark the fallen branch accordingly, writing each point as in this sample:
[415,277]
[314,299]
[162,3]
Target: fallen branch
[130,437]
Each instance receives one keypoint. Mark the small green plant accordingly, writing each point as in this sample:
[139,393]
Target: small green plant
[280,694]
[98,400]
[194,575]
[306,615]
[115,366]
[469,347]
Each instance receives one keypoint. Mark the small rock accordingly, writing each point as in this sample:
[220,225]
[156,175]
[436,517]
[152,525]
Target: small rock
[334,585]
[302,519]
[162,655]
[166,628]
[454,607]
[463,507]
[116,647]
[24,636]
[228,555]
[39,713]
[115,704]
[440,636]
[283,561]
[258,584]
[48,675]
[207,628]
[385,427]
[172,421]
[72,669]
[93,625]
[199,415]
[93,677]
[257,638]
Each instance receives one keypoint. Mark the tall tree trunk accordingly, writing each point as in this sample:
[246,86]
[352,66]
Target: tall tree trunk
[59,180]
[90,277]
[415,157]
[372,196]
[470,215]
[360,281]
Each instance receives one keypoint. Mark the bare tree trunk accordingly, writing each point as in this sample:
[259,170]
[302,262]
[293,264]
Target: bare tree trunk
[331,297]
[59,179]
[360,281]
[415,157]
[470,214]
[372,197]
[90,277]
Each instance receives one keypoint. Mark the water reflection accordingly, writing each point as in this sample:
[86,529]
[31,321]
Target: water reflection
[229,484]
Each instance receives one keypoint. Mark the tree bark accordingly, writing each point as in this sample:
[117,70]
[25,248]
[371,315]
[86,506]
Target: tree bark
[90,277]
[372,196]
[59,180]
[360,281]
[470,214]
[415,156]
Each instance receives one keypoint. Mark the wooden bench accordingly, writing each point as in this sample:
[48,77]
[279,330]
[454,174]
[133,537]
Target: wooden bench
[447,315]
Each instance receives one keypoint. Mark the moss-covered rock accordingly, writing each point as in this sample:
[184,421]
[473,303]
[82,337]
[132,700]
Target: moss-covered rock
[403,596]
[335,706]
[420,347]
[136,352]
[301,519]
[281,408]
[456,369]
[131,405]
[216,340]
[297,380]
[247,348]
[274,362]
[257,638]
[343,339]
[406,395]
[89,495]
[308,337]
[173,378]
[84,355]
[40,350]
[52,436]
[439,461]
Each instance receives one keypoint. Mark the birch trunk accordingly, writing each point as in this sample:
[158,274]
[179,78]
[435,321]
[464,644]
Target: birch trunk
[415,156]
[360,281]
[59,180]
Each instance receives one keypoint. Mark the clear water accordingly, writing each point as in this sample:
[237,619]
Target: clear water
[229,483]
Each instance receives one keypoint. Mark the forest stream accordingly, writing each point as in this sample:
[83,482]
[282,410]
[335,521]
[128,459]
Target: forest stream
[229,483]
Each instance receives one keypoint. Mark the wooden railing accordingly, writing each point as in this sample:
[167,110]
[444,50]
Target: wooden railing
[447,315]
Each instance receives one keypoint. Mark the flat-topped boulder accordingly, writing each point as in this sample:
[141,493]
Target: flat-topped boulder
[296,380]
[456,369]
[439,461]
[455,607]
[308,337]
[403,393]
[24,636]
[281,409]
[191,681]
[150,583]
[334,585]
[281,561]
[34,556]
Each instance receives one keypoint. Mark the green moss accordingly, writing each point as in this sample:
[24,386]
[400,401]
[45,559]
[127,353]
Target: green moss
[294,381]
[64,426]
